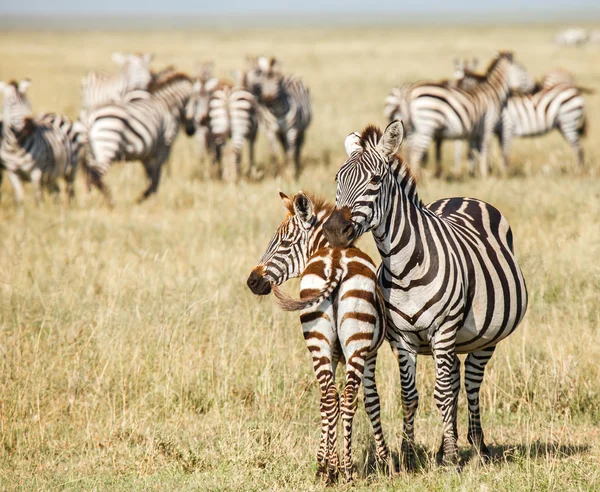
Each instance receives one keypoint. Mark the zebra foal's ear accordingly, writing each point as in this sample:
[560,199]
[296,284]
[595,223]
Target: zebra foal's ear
[287,202]
[392,138]
[263,63]
[303,207]
[3,85]
[148,57]
[352,143]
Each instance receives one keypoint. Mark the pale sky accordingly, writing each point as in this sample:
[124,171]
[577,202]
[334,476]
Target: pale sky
[237,8]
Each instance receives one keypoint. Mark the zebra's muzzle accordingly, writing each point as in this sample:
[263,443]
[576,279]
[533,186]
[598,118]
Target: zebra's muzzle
[258,284]
[339,229]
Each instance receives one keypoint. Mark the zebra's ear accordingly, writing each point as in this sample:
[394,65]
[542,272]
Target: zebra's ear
[238,77]
[474,63]
[303,207]
[148,57]
[287,203]
[119,58]
[197,87]
[352,143]
[24,85]
[263,63]
[211,84]
[3,85]
[392,138]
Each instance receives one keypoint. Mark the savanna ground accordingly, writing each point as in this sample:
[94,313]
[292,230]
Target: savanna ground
[134,356]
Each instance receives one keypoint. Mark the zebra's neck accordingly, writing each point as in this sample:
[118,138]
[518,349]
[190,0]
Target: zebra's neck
[280,106]
[317,239]
[402,234]
[174,94]
[495,83]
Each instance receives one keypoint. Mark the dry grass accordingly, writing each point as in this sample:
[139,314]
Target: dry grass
[133,356]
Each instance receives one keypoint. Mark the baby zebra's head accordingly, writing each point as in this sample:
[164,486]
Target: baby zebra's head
[297,238]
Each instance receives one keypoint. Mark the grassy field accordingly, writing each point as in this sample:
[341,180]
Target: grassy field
[132,355]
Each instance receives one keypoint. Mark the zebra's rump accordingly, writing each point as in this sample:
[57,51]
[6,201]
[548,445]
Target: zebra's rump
[358,315]
[539,113]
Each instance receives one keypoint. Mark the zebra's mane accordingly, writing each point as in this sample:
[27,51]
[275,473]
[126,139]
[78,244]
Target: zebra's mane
[168,79]
[401,170]
[502,55]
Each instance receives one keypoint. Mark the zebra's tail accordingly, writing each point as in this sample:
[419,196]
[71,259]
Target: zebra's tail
[288,303]
[583,129]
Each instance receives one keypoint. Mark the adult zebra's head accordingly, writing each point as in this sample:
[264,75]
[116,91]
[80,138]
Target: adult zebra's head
[363,183]
[293,243]
[271,79]
[16,108]
[135,67]
[517,77]
[197,107]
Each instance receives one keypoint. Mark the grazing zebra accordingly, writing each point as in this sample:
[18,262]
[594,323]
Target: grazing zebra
[217,112]
[449,276]
[143,129]
[442,111]
[555,104]
[343,318]
[99,88]
[33,148]
[572,36]
[286,108]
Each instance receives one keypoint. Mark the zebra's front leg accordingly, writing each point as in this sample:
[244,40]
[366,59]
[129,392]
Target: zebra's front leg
[444,392]
[407,361]
[373,409]
[455,374]
[15,181]
[484,148]
[474,371]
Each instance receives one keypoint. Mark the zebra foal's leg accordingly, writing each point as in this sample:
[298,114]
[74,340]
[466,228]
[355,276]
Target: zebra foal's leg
[444,396]
[36,181]
[373,409]
[407,361]
[474,371]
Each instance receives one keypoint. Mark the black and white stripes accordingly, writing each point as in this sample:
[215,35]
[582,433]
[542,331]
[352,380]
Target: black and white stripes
[449,276]
[37,149]
[143,129]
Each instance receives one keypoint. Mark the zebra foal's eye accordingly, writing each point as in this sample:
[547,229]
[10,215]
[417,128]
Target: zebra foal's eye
[375,179]
[286,243]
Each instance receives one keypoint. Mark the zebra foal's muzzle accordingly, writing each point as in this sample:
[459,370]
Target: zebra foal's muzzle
[257,283]
[190,128]
[339,228]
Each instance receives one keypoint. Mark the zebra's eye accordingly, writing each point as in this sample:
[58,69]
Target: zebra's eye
[375,179]
[286,243]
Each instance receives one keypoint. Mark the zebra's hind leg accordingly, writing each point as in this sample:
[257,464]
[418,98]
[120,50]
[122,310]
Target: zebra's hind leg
[354,375]
[153,167]
[373,409]
[407,361]
[444,396]
[455,391]
[36,181]
[474,370]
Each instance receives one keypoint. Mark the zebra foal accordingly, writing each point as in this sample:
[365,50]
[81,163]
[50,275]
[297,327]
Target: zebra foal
[342,318]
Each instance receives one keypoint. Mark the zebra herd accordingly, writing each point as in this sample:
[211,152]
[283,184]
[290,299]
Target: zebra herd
[448,283]
[504,101]
[136,115]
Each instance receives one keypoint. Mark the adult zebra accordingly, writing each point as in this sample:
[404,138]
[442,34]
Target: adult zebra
[143,129]
[100,88]
[446,112]
[286,113]
[449,276]
[220,111]
[556,103]
[33,148]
